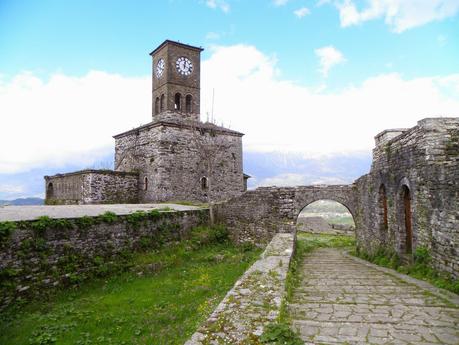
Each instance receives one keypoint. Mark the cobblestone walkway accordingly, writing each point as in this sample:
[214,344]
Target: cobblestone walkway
[342,301]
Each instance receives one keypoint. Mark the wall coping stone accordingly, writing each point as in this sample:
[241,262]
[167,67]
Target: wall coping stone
[95,171]
[254,301]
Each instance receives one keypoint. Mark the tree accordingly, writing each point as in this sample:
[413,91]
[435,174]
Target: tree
[211,147]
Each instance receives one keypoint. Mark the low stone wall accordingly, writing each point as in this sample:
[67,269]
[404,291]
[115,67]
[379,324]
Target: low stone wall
[40,254]
[254,301]
[92,187]
[257,215]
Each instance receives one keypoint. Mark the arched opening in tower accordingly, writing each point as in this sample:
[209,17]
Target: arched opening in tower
[188,103]
[157,106]
[178,101]
[161,104]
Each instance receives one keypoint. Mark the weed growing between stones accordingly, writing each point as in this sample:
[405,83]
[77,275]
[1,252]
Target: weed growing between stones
[421,267]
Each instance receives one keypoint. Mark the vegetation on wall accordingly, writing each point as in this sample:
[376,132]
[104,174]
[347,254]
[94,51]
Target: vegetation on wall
[48,266]
[420,268]
[159,296]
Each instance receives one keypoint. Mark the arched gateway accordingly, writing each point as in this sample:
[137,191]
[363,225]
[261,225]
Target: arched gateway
[258,214]
[308,194]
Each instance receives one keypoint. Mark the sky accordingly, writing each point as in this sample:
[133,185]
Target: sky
[310,80]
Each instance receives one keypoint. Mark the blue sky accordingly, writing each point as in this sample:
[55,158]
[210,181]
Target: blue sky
[353,68]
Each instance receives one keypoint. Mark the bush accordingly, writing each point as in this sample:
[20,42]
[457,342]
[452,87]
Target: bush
[108,217]
[421,255]
[203,235]
[6,228]
[280,334]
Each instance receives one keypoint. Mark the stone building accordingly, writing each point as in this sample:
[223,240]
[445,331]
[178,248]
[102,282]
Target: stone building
[176,157]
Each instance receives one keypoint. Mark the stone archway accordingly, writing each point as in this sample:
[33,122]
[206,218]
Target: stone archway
[326,216]
[339,193]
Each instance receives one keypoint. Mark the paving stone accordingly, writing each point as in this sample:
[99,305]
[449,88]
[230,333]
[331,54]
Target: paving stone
[373,308]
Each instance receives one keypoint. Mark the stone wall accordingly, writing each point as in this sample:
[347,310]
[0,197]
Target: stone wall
[45,253]
[171,164]
[92,187]
[413,184]
[425,161]
[257,215]
[253,302]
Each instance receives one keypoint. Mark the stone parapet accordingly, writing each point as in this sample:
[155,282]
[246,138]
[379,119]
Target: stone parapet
[254,301]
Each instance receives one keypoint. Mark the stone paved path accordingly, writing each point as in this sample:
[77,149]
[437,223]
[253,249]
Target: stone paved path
[342,301]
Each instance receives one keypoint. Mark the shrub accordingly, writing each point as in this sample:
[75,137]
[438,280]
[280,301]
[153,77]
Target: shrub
[203,235]
[280,334]
[108,217]
[6,228]
[422,255]
[135,219]
[85,222]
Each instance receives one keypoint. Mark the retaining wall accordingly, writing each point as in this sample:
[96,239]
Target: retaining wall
[47,252]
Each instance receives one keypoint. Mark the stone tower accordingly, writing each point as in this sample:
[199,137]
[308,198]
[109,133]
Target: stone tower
[176,80]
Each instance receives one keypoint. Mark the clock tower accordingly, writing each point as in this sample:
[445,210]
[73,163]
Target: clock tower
[176,79]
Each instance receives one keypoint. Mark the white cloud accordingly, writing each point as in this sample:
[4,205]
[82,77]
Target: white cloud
[328,57]
[72,119]
[400,15]
[279,115]
[11,189]
[301,12]
[212,35]
[280,2]
[285,180]
[294,179]
[221,4]
[67,119]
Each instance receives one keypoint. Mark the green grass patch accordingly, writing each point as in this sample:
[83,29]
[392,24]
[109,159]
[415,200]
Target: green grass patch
[421,267]
[161,299]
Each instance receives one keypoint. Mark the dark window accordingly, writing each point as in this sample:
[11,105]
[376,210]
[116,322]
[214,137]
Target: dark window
[188,103]
[157,105]
[161,106]
[50,190]
[204,184]
[145,183]
[178,101]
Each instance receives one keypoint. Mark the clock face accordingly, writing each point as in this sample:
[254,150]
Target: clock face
[184,66]
[160,68]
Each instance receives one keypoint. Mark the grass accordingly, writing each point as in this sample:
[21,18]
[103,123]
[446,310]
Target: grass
[420,268]
[161,300]
[347,220]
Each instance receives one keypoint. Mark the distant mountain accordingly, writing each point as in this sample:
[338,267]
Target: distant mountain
[23,201]
[290,169]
